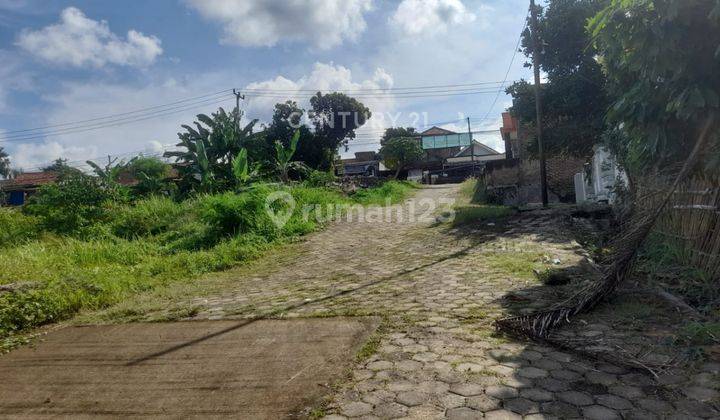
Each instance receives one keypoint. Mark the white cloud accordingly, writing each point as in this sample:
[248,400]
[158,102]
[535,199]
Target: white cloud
[264,23]
[415,17]
[79,41]
[30,156]
[327,78]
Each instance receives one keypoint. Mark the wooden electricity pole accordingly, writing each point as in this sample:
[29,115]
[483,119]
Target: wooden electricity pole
[538,103]
[472,147]
[238,96]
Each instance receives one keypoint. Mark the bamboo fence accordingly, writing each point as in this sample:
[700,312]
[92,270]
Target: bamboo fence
[691,219]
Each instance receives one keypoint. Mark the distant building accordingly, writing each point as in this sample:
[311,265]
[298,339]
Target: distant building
[20,188]
[363,164]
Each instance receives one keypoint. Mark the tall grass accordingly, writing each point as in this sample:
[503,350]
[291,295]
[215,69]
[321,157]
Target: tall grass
[146,245]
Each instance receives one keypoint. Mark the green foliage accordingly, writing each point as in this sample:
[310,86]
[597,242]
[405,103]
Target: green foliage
[16,228]
[465,215]
[286,120]
[147,217]
[316,178]
[391,192]
[397,132]
[662,62]
[399,152]
[73,204]
[283,162]
[669,263]
[151,175]
[335,117]
[574,98]
[700,333]
[209,149]
[231,214]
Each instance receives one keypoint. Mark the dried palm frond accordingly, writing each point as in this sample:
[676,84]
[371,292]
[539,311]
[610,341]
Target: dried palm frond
[538,325]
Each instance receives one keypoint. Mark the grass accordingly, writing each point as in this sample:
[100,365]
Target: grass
[145,247]
[391,192]
[669,263]
[519,264]
[470,207]
[700,333]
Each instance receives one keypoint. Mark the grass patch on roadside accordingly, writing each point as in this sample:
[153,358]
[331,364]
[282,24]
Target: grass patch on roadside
[147,246]
[391,192]
[518,264]
[470,207]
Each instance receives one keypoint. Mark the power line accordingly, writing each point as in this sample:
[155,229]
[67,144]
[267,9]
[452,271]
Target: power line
[113,123]
[512,61]
[118,115]
[371,89]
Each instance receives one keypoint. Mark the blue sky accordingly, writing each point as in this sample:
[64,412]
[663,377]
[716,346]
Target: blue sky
[64,62]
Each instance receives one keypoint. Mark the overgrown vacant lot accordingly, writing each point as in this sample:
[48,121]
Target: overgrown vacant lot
[138,247]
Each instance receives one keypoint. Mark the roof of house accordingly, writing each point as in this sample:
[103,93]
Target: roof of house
[483,149]
[30,180]
[436,131]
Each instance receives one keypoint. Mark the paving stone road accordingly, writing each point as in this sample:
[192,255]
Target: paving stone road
[439,289]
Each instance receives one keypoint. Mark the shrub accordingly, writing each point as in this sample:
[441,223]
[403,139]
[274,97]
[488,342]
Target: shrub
[74,203]
[146,217]
[232,214]
[391,191]
[317,178]
[16,228]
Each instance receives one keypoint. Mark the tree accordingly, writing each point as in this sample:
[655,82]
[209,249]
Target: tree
[151,175]
[335,117]
[287,119]
[283,158]
[395,132]
[61,166]
[399,152]
[5,170]
[209,150]
[574,98]
[110,172]
[662,59]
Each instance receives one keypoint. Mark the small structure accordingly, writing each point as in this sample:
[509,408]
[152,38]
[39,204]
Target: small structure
[604,176]
[24,185]
[366,164]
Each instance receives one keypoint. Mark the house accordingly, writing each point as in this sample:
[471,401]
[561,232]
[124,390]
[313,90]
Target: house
[363,164]
[450,156]
[24,185]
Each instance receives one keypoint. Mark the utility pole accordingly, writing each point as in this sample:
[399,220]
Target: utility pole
[538,103]
[238,96]
[472,147]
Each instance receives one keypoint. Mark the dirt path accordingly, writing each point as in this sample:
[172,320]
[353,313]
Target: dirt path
[438,290]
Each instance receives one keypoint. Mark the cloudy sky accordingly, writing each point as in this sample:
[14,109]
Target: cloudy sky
[85,79]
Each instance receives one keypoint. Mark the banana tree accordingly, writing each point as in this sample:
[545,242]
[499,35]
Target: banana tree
[283,158]
[207,150]
[243,171]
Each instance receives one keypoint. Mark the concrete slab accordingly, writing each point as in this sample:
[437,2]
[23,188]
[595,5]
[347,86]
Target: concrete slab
[261,370]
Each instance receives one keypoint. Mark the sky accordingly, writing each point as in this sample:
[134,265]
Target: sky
[85,79]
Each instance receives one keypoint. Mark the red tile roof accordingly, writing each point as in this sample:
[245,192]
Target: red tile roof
[30,180]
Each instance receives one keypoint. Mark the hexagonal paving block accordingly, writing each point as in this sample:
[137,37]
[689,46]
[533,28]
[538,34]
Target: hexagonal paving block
[532,373]
[483,403]
[466,389]
[536,394]
[613,401]
[598,412]
[575,398]
[390,410]
[522,406]
[411,398]
[463,413]
[356,409]
[501,392]
[502,415]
